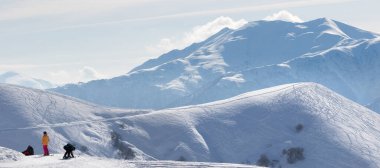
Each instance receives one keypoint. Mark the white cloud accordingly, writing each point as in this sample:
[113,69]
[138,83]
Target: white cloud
[165,45]
[60,77]
[200,33]
[284,16]
[197,34]
[88,73]
[84,74]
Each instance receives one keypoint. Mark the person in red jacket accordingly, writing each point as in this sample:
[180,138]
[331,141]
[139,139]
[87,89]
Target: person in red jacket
[45,142]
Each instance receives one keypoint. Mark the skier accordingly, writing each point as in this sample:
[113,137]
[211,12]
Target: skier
[45,142]
[69,151]
[29,151]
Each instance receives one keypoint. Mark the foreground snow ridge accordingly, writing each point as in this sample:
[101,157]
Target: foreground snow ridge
[9,155]
[15,159]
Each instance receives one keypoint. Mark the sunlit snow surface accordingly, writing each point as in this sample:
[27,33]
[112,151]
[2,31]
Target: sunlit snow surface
[10,158]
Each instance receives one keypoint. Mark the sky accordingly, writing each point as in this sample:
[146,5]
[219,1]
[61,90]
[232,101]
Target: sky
[69,41]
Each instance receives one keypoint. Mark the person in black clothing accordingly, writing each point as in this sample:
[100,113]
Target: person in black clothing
[69,151]
[29,151]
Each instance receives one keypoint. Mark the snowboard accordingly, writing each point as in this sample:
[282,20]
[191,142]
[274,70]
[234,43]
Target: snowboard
[68,158]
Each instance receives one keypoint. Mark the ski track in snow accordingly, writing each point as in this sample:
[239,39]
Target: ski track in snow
[41,110]
[37,107]
[330,116]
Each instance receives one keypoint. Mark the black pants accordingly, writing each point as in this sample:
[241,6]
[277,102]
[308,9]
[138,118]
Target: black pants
[69,153]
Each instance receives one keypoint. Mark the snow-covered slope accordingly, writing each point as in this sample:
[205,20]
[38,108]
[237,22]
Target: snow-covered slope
[351,70]
[7,155]
[93,162]
[308,121]
[23,80]
[259,55]
[332,130]
[26,113]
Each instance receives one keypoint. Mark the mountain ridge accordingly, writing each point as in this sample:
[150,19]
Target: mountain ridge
[263,122]
[213,68]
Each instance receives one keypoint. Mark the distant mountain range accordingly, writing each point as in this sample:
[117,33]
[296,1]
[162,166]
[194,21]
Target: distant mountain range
[258,55]
[23,80]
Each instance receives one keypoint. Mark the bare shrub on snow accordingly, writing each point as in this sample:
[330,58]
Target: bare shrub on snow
[294,154]
[263,161]
[299,128]
[125,150]
[182,158]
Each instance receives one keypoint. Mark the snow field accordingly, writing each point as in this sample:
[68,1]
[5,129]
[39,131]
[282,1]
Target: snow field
[336,132]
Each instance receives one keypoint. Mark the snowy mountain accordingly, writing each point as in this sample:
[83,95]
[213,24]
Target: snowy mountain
[331,130]
[9,155]
[293,125]
[23,80]
[258,55]
[26,113]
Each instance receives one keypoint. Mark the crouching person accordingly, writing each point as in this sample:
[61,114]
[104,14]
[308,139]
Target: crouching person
[69,151]
[29,151]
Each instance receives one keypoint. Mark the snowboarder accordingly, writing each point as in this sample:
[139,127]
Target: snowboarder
[29,151]
[69,151]
[45,142]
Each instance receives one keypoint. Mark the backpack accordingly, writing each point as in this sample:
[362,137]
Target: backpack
[28,151]
[69,147]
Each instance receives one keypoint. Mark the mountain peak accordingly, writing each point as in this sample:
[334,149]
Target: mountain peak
[323,20]
[236,61]
[341,29]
